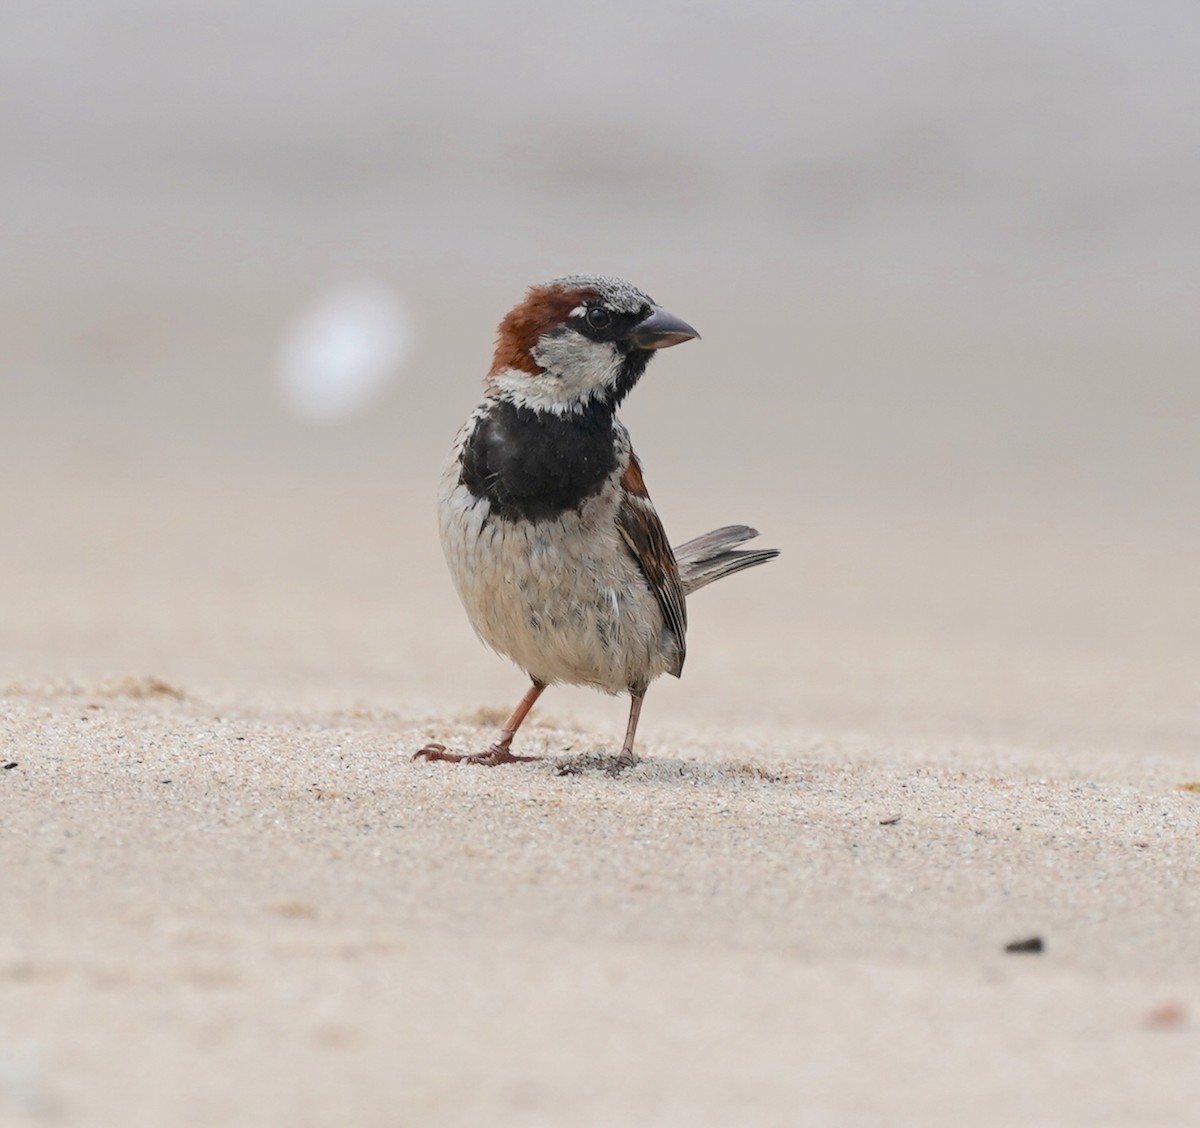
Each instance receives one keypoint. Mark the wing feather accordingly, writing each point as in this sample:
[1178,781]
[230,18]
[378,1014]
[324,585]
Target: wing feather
[647,541]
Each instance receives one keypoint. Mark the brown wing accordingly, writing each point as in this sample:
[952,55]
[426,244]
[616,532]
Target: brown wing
[647,541]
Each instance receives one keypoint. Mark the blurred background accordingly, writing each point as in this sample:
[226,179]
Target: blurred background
[943,257]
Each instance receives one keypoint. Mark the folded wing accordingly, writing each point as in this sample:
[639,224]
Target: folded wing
[647,541]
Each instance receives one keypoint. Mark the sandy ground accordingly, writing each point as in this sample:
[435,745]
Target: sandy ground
[231,898]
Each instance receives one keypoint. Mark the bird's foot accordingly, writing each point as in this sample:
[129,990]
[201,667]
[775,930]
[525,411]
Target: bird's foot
[493,757]
[595,762]
[625,760]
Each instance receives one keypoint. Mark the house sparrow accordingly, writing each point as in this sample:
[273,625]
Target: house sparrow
[552,540]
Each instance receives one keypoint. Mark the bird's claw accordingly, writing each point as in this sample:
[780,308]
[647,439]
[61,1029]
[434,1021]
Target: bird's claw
[435,752]
[493,757]
[621,763]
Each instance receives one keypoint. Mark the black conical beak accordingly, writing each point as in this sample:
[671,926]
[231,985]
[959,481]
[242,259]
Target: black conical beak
[661,330]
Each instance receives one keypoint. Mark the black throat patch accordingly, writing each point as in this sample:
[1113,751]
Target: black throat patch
[536,465]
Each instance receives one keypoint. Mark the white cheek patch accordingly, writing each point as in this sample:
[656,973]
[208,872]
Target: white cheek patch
[576,371]
[580,366]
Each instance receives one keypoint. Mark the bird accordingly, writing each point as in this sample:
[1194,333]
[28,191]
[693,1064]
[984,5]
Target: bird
[551,539]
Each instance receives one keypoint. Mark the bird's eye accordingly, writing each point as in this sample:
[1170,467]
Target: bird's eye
[598,317]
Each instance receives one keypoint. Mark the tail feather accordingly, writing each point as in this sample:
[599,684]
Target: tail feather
[714,555]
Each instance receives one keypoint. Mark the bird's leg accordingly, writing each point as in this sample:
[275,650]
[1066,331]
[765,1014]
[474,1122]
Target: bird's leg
[499,752]
[628,758]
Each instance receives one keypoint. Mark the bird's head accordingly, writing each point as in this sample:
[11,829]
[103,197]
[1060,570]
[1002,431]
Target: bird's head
[579,340]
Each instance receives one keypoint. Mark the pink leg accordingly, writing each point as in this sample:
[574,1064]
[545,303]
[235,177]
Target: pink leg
[499,752]
[627,758]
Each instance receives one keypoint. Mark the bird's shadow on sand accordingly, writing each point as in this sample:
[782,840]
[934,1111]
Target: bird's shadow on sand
[662,770]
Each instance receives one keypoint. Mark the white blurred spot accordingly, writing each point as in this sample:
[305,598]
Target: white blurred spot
[23,1080]
[341,352]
